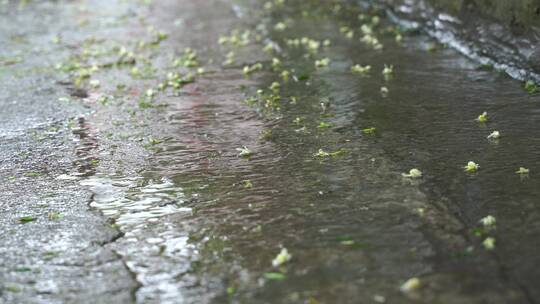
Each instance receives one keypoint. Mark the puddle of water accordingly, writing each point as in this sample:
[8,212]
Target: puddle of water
[202,224]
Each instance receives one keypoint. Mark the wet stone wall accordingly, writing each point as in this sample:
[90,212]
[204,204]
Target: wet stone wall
[501,34]
[516,13]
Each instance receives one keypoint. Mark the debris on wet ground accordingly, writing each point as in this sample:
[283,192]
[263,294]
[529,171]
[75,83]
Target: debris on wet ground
[411,285]
[471,167]
[282,258]
[413,173]
[179,146]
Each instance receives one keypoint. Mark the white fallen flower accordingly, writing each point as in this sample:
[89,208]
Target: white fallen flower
[489,243]
[366,29]
[312,45]
[411,284]
[413,173]
[321,153]
[244,151]
[282,258]
[322,63]
[471,167]
[488,221]
[494,135]
[369,39]
[522,170]
[360,69]
[285,75]
[482,117]
[251,69]
[276,63]
[280,26]
[388,69]
[275,86]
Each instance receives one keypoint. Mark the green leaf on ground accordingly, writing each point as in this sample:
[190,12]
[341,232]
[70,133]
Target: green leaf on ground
[33,174]
[27,219]
[23,269]
[276,276]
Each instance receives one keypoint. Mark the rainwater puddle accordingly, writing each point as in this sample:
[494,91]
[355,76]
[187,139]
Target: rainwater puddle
[202,223]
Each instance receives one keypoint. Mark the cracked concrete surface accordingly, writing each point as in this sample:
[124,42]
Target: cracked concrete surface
[51,242]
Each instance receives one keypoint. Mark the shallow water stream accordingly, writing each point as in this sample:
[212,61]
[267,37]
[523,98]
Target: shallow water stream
[202,224]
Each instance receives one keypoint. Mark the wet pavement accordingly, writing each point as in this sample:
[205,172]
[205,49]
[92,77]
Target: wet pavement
[145,179]
[51,243]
